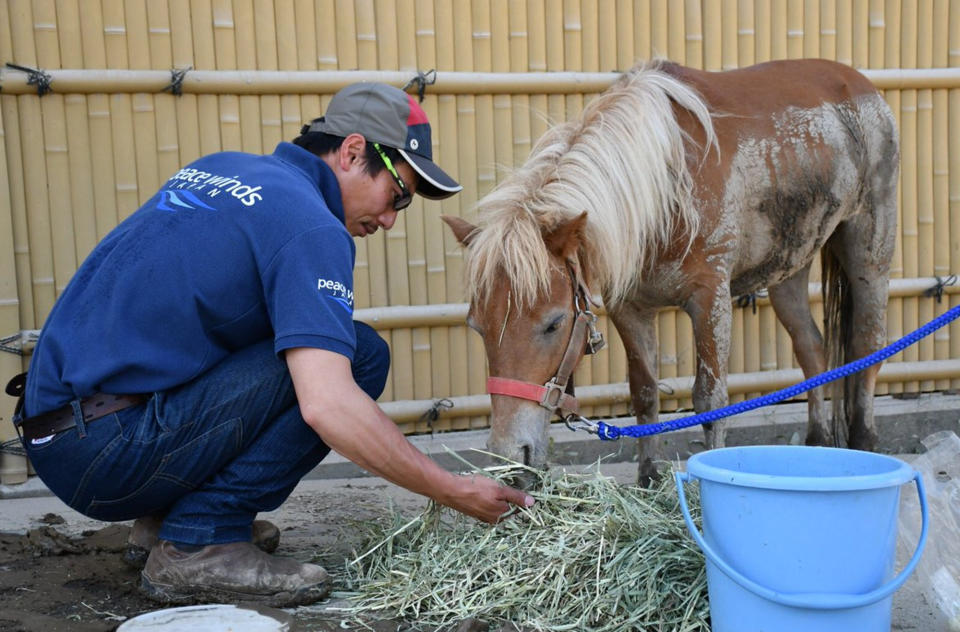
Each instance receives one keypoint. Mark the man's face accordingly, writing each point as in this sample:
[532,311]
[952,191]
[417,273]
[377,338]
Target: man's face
[368,201]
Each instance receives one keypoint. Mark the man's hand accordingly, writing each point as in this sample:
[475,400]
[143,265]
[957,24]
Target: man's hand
[485,499]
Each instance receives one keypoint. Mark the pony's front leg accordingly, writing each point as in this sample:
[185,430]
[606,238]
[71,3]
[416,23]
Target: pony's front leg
[636,328]
[711,311]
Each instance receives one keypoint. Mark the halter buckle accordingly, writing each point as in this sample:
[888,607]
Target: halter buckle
[553,394]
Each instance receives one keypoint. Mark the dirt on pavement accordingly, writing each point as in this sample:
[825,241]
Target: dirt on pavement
[62,572]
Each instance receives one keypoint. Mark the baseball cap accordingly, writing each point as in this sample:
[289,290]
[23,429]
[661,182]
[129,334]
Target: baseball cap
[389,116]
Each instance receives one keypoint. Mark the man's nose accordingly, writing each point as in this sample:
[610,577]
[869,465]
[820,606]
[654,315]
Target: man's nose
[388,219]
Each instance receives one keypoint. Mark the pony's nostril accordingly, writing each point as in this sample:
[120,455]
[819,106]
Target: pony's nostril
[526,455]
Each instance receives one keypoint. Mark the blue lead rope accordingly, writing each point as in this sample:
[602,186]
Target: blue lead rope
[611,433]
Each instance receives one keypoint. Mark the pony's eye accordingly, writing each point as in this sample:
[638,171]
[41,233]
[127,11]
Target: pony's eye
[554,325]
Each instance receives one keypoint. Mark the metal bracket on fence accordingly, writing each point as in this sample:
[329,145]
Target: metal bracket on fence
[176,80]
[36,77]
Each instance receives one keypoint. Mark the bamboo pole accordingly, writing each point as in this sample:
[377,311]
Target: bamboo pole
[13,469]
[55,151]
[845,32]
[571,31]
[811,29]
[464,344]
[204,56]
[642,36]
[891,53]
[404,243]
[795,29]
[626,51]
[240,82]
[693,21]
[941,183]
[778,30]
[877,35]
[659,29]
[445,256]
[677,41]
[953,156]
[186,106]
[908,173]
[161,56]
[925,211]
[33,167]
[766,381]
[13,174]
[452,314]
[485,156]
[729,37]
[828,29]
[414,248]
[860,35]
[325,30]
[746,33]
[553,30]
[711,31]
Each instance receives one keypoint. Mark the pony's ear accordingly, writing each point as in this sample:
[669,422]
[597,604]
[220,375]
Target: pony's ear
[462,229]
[564,239]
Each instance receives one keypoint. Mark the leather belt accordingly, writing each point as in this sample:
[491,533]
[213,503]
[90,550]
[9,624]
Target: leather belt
[94,407]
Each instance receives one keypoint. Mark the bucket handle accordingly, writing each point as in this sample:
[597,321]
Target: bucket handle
[816,601]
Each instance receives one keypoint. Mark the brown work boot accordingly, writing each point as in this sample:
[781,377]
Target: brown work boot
[230,573]
[143,536]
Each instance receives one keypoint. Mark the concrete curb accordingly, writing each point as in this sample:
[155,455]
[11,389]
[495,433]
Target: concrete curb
[903,423]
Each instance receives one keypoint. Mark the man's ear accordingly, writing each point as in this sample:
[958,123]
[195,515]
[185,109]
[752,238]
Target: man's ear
[352,151]
[463,230]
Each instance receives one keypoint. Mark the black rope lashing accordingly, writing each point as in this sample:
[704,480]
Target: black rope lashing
[6,344]
[36,77]
[750,300]
[176,80]
[433,413]
[422,80]
[939,286]
[13,446]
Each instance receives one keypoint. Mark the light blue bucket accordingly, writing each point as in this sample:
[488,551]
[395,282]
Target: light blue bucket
[800,538]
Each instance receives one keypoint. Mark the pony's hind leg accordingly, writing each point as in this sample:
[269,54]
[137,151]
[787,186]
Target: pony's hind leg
[791,303]
[864,252]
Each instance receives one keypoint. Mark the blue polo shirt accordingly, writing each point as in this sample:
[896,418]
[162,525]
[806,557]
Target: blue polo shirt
[234,249]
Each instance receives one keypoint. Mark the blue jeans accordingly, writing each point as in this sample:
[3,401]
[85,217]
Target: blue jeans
[209,454]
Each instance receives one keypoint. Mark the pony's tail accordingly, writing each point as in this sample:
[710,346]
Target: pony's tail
[838,338]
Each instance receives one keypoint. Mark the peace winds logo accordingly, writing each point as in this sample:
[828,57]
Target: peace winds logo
[338,292]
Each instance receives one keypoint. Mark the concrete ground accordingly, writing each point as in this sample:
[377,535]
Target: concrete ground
[903,424]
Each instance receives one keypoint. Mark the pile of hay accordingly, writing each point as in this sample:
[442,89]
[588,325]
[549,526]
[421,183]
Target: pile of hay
[591,554]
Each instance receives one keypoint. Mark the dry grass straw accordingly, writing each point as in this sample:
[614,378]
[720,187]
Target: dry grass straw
[591,554]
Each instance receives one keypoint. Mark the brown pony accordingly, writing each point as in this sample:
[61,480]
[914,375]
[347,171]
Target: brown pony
[682,187]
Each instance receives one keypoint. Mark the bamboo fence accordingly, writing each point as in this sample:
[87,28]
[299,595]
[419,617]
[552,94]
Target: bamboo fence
[78,160]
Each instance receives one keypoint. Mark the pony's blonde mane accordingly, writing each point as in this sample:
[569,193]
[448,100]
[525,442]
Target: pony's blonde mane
[623,162]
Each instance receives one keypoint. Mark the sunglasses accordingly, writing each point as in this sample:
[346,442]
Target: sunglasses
[400,200]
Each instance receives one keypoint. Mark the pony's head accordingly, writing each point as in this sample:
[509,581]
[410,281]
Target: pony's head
[536,326]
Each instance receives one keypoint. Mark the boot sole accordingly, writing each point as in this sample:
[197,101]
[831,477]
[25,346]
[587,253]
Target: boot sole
[165,593]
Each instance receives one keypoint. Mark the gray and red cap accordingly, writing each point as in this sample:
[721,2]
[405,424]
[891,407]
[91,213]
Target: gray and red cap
[391,117]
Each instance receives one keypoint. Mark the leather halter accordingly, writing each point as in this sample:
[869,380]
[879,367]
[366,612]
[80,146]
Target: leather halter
[556,395]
